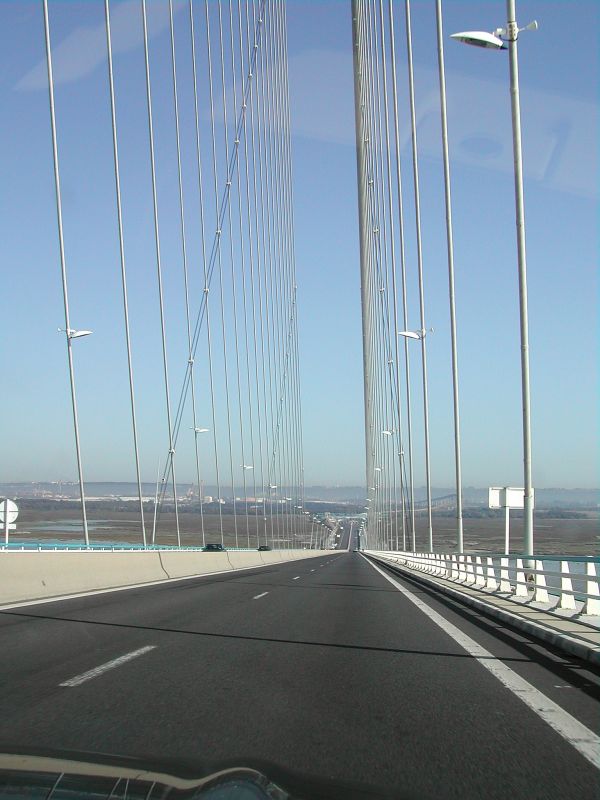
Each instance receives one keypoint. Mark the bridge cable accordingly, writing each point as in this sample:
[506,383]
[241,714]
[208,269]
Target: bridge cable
[270,277]
[295,386]
[206,289]
[417,201]
[399,193]
[377,287]
[251,258]
[209,269]
[220,231]
[274,277]
[255,268]
[185,265]
[243,277]
[264,285]
[451,297]
[395,370]
[387,484]
[159,270]
[295,417]
[122,261]
[381,272]
[261,266]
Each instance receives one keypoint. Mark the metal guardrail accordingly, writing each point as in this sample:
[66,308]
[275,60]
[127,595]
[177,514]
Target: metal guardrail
[46,546]
[554,582]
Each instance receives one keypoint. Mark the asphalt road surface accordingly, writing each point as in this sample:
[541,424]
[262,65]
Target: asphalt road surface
[322,666]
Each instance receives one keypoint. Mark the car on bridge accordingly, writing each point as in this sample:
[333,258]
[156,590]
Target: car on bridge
[263,548]
[213,547]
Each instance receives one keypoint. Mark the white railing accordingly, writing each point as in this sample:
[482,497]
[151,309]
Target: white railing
[557,583]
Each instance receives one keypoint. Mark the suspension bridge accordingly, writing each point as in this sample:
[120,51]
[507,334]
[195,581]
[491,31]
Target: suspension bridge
[349,657]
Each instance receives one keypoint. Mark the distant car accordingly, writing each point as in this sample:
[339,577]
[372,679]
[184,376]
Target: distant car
[261,548]
[213,547]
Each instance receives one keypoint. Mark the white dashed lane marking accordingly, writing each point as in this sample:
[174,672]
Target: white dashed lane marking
[116,662]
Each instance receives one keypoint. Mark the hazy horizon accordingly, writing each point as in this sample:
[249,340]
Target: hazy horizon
[210,488]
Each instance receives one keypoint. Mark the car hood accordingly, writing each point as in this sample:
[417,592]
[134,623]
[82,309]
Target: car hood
[84,775]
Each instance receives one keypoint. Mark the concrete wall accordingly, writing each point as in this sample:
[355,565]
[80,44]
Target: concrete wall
[33,575]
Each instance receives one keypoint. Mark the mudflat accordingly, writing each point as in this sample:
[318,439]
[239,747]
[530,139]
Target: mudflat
[577,536]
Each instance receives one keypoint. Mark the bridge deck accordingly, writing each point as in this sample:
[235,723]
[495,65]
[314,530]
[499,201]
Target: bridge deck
[322,665]
[576,633]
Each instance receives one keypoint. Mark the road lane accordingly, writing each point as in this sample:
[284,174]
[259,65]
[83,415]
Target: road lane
[45,643]
[572,683]
[335,675]
[584,740]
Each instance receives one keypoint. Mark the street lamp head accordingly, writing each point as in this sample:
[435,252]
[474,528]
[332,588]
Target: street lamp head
[410,334]
[480,39]
[72,334]
[495,40]
[419,335]
[199,430]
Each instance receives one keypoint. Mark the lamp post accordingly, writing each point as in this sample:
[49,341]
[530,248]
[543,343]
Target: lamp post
[197,432]
[391,432]
[71,334]
[451,287]
[419,336]
[498,41]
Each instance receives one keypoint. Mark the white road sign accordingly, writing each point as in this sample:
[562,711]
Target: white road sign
[506,497]
[13,511]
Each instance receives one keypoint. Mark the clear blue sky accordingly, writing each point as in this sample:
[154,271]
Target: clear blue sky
[559,76]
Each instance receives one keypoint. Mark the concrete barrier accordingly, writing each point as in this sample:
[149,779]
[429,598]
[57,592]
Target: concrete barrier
[275,556]
[29,576]
[244,560]
[182,564]
[36,575]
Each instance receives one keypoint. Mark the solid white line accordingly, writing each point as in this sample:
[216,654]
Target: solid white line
[296,578]
[116,662]
[573,731]
[258,596]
